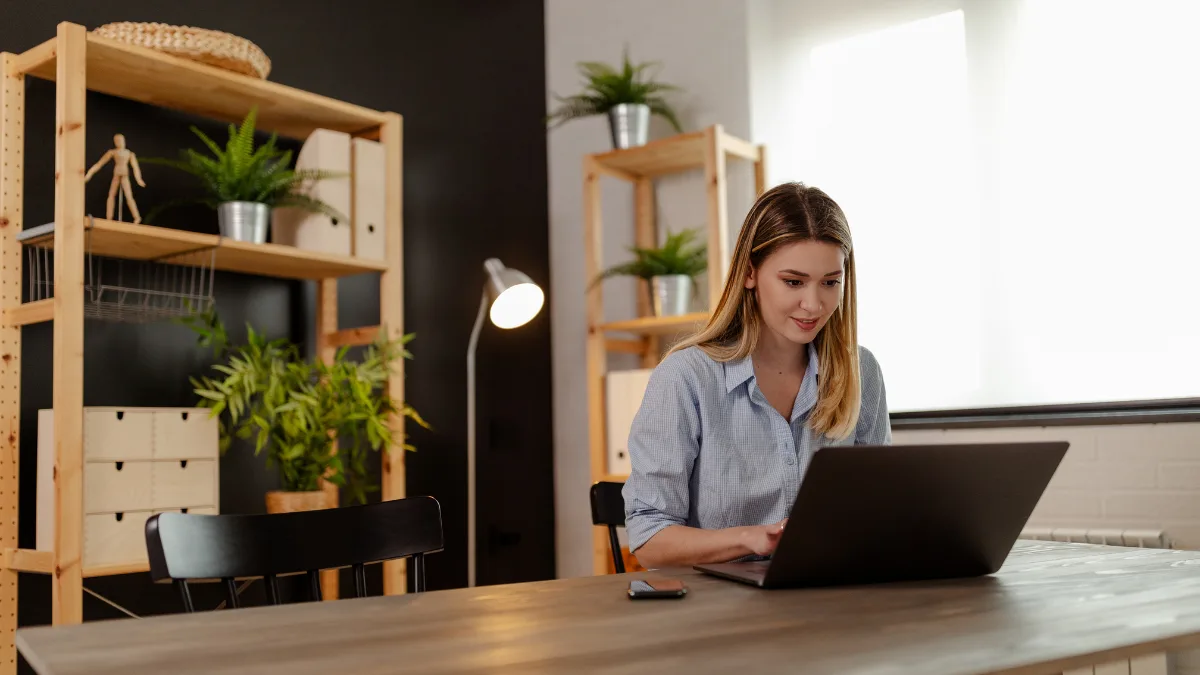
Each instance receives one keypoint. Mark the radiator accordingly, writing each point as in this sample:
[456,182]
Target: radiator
[1140,538]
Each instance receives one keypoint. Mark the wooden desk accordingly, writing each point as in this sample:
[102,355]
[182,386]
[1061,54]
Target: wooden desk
[1051,608]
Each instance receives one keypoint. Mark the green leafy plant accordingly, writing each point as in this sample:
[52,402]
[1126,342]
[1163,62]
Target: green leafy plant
[678,255]
[606,87]
[239,172]
[295,409]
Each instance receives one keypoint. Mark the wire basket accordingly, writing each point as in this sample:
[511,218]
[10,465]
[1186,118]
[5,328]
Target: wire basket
[126,291]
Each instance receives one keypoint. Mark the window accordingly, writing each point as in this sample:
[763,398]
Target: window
[1020,195]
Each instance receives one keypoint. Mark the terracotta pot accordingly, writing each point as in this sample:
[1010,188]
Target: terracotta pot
[281,501]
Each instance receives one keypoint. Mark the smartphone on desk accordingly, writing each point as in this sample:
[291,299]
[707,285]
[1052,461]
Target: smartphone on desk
[642,589]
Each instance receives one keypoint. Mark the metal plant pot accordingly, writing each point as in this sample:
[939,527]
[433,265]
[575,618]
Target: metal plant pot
[244,221]
[672,294]
[629,124]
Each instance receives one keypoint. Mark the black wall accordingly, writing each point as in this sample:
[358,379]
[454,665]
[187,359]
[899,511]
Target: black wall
[469,79]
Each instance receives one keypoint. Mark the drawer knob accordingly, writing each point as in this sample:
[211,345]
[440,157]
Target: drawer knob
[120,516]
[183,463]
[120,414]
[119,465]
[184,415]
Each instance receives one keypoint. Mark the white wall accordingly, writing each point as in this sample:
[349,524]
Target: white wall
[702,45]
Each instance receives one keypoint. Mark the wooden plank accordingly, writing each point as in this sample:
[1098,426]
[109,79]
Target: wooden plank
[1052,608]
[739,148]
[760,171]
[12,171]
[617,173]
[167,81]
[645,232]
[28,560]
[682,152]
[25,313]
[391,319]
[637,347]
[597,356]
[657,325]
[327,323]
[40,57]
[113,570]
[352,337]
[716,186]
[69,166]
[117,239]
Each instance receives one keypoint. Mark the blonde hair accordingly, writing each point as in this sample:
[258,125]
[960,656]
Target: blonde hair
[785,214]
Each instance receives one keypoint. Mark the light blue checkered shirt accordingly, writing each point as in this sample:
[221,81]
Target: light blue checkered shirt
[708,450]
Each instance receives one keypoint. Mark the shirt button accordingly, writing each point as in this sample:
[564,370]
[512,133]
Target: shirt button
[791,460]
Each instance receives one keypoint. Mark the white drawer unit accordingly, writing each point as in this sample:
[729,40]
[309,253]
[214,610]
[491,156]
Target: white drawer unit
[137,462]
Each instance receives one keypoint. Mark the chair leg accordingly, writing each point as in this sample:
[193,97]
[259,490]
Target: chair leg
[314,585]
[360,581]
[231,592]
[185,595]
[419,572]
[272,589]
[615,543]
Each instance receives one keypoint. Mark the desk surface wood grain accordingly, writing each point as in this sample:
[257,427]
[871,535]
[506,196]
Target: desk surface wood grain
[1052,607]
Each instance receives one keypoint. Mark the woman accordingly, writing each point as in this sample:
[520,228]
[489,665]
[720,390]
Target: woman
[732,416]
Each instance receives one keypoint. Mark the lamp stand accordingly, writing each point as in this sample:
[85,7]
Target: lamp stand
[483,303]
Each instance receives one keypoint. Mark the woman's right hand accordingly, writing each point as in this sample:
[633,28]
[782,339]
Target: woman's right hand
[762,539]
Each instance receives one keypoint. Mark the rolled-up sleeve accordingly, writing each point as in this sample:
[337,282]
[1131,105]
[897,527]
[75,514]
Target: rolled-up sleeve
[664,441]
[874,424]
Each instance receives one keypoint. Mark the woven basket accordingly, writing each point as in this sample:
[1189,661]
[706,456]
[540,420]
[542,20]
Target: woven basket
[212,47]
[279,501]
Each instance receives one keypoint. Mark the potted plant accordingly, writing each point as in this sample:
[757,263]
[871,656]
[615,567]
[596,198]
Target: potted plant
[296,409]
[671,271]
[243,183]
[626,95]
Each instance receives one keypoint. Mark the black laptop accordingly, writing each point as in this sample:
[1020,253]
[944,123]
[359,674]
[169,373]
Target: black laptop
[874,514]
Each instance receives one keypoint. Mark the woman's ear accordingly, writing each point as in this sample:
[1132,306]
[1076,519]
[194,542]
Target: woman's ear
[751,279]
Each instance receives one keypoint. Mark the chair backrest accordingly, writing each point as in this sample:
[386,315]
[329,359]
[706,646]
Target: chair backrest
[190,546]
[608,508]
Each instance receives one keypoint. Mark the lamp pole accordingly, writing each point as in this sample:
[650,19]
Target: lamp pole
[483,303]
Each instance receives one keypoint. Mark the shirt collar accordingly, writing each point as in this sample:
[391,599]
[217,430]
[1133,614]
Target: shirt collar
[737,372]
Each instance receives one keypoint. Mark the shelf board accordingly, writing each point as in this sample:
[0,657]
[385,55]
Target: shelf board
[116,239]
[152,77]
[112,570]
[683,152]
[657,325]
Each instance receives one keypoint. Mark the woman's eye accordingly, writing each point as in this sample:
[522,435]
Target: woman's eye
[794,283]
[832,282]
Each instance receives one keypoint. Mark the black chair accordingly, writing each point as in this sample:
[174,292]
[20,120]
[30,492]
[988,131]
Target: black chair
[608,508]
[186,547]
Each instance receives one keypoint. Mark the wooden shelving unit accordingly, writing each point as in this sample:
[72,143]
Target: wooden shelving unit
[705,150]
[78,62]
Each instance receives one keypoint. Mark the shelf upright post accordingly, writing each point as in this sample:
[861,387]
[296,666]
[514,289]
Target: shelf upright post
[69,165]
[12,173]
[391,319]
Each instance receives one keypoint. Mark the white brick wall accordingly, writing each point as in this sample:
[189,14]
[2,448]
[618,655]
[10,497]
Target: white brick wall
[1114,476]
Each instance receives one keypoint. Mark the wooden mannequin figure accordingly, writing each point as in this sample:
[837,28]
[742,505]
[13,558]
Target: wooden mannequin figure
[122,158]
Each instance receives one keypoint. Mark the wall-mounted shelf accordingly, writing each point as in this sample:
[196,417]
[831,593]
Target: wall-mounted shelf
[173,82]
[116,239]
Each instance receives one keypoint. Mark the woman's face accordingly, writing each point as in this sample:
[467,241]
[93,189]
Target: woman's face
[799,287]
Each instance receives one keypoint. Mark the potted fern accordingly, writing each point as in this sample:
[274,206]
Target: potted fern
[671,271]
[297,409]
[243,183]
[625,95]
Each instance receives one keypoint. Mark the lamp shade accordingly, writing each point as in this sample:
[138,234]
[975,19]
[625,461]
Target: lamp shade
[514,298]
